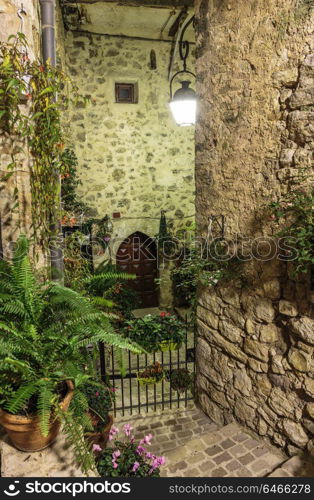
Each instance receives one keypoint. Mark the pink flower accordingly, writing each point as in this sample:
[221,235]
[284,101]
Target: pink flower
[135,466]
[147,439]
[97,394]
[116,454]
[127,429]
[140,450]
[96,447]
[114,464]
[149,455]
[113,431]
[113,389]
[157,462]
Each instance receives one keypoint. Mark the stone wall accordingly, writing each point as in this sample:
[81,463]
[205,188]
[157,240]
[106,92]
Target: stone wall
[133,159]
[255,67]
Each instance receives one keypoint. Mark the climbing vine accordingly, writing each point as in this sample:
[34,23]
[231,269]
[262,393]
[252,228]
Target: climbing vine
[32,99]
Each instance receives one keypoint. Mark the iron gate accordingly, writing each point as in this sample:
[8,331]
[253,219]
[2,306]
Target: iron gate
[131,397]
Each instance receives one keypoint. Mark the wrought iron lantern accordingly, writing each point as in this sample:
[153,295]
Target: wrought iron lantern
[183,103]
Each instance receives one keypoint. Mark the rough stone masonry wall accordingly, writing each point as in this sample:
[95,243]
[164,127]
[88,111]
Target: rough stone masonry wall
[255,67]
[133,159]
[19,219]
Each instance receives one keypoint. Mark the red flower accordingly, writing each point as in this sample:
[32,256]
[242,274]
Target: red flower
[163,314]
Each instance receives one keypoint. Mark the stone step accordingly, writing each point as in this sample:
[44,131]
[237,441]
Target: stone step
[226,452]
[297,466]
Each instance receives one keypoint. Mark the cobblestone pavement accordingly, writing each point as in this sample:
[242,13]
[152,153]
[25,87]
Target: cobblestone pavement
[193,446]
[196,447]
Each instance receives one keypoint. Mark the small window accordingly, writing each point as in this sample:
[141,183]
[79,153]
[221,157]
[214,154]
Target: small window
[126,93]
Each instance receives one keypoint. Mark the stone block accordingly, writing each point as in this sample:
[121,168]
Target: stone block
[288,308]
[280,402]
[256,349]
[295,433]
[309,387]
[264,310]
[208,317]
[303,328]
[215,338]
[242,382]
[272,289]
[299,360]
[230,331]
[269,333]
[276,365]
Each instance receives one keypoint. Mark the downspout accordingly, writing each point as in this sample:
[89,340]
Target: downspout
[47,8]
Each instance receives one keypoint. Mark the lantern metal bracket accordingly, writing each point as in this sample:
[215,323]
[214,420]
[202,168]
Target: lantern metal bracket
[184,50]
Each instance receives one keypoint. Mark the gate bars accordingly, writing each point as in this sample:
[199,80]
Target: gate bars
[131,397]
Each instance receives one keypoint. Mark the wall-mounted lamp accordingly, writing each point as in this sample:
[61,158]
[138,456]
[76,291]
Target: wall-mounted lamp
[183,102]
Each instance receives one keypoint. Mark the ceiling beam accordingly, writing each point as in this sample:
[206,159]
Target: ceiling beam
[140,3]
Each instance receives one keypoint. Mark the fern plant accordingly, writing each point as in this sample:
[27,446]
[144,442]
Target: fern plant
[45,330]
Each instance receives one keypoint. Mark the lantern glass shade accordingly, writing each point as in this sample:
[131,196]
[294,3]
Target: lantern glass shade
[183,105]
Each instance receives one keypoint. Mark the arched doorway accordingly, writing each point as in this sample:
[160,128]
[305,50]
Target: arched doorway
[137,254]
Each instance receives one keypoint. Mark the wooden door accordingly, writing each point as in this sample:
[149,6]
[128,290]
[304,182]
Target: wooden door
[137,254]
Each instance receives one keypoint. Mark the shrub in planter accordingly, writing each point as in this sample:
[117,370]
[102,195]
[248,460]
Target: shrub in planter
[180,379]
[151,375]
[100,399]
[127,458]
[44,331]
[155,333]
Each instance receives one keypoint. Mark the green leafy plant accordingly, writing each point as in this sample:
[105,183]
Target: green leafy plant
[45,329]
[72,206]
[128,459]
[76,267]
[206,267]
[152,374]
[294,214]
[100,399]
[180,379]
[106,285]
[151,331]
[31,113]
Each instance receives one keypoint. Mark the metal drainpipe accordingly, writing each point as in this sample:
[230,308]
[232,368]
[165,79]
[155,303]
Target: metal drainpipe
[47,8]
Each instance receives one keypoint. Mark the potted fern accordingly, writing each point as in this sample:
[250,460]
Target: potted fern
[45,329]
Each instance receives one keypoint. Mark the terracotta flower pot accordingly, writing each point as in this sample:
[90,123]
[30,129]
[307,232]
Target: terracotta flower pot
[24,432]
[100,438]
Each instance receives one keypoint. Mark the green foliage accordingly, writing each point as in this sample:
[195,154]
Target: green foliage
[180,379]
[128,459]
[71,204]
[76,268]
[294,213]
[36,126]
[152,374]
[197,267]
[44,332]
[100,399]
[149,331]
[108,284]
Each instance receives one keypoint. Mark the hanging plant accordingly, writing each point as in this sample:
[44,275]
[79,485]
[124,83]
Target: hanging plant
[32,99]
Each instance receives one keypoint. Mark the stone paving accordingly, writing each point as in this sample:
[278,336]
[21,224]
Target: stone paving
[193,446]
[196,447]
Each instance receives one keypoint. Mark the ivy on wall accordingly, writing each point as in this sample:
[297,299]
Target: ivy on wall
[32,99]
